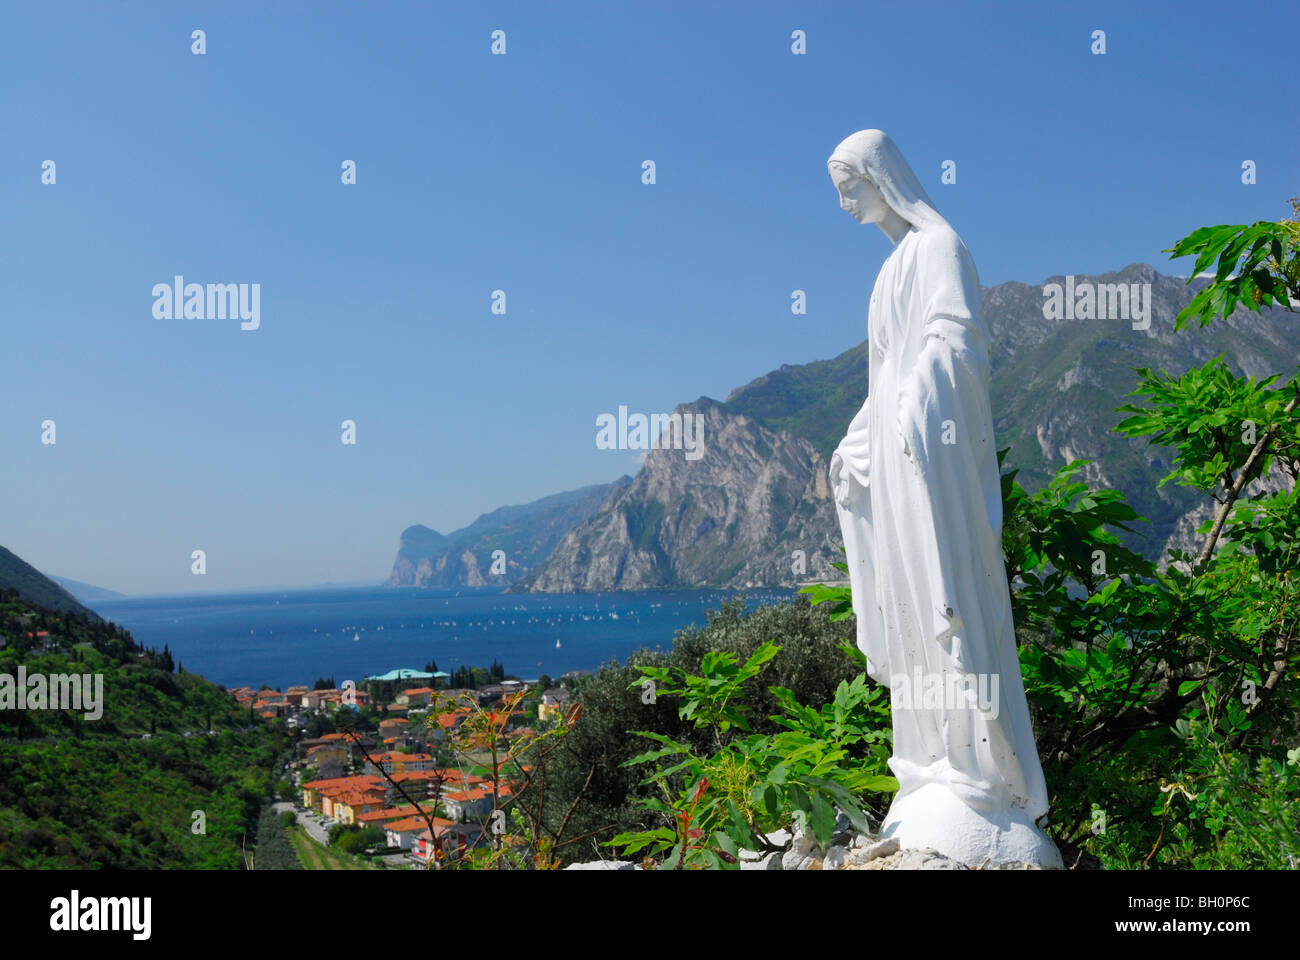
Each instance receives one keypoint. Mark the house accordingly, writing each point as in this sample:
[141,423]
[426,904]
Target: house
[405,744]
[445,723]
[470,803]
[319,793]
[405,833]
[330,748]
[307,743]
[355,745]
[395,726]
[348,806]
[553,701]
[329,759]
[399,762]
[419,784]
[454,839]
[415,697]
[315,700]
[380,818]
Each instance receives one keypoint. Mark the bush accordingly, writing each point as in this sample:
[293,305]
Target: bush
[274,851]
[589,790]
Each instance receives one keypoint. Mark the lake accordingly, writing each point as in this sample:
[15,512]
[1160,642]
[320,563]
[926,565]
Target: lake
[294,636]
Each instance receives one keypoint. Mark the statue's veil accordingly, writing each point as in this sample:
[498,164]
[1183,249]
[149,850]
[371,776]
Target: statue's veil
[871,154]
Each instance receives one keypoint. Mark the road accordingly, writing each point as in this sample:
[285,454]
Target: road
[308,823]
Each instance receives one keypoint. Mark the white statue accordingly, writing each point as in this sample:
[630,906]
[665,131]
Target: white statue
[918,494]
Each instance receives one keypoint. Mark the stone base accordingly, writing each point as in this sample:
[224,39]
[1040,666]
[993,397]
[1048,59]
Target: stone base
[932,818]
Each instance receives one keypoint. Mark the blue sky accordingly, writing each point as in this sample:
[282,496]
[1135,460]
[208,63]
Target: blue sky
[522,172]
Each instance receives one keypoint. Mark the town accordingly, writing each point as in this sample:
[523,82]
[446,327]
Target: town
[388,767]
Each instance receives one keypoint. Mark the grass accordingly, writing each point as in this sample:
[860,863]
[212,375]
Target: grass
[313,856]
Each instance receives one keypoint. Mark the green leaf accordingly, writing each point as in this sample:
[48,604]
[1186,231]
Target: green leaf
[822,819]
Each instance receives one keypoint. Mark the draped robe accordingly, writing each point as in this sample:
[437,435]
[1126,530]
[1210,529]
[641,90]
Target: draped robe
[922,521]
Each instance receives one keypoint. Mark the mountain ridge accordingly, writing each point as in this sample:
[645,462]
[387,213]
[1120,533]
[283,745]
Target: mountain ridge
[1055,387]
[524,533]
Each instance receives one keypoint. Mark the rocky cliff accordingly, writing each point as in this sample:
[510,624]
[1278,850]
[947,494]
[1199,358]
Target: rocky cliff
[736,516]
[523,534]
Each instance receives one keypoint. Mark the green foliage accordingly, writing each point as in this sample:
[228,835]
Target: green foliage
[274,851]
[89,794]
[1164,695]
[1213,420]
[595,796]
[1258,265]
[354,839]
[839,596]
[725,801]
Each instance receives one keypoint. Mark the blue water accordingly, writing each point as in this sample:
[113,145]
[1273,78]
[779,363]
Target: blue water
[293,637]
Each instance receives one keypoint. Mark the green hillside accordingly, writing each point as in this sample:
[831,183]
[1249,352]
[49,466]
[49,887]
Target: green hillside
[36,587]
[121,791]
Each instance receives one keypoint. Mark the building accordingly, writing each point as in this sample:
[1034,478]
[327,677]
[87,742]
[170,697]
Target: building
[346,807]
[552,705]
[381,818]
[415,697]
[454,839]
[320,793]
[467,804]
[399,762]
[406,673]
[394,727]
[404,834]
[330,759]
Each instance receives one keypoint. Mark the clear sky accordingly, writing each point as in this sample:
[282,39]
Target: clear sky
[523,172]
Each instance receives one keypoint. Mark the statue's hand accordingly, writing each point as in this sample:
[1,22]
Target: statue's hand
[839,482]
[919,398]
[911,412]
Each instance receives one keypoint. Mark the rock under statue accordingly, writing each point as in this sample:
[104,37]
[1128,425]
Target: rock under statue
[917,490]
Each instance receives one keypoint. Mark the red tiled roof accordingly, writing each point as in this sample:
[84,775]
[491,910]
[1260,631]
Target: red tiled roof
[392,813]
[417,823]
[338,784]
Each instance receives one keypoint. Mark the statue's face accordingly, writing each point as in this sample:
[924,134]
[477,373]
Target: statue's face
[861,198]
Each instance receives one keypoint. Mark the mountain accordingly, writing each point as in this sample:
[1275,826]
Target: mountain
[736,516]
[526,534]
[35,587]
[84,592]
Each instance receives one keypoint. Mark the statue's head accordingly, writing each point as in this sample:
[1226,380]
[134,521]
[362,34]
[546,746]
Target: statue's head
[858,195]
[873,179]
